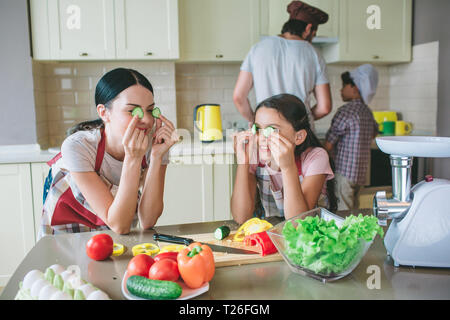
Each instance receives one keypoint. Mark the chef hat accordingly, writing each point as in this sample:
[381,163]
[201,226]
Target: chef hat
[365,78]
[299,10]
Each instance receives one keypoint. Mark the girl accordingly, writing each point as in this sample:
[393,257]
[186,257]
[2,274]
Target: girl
[283,159]
[110,172]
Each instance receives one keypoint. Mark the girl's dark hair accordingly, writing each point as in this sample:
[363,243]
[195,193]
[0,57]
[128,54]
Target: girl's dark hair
[108,88]
[296,27]
[294,111]
[347,79]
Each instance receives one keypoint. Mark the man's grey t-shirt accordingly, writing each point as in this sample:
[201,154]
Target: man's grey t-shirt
[280,66]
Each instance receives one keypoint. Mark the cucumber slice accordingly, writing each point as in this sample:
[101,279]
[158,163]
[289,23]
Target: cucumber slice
[221,232]
[138,111]
[153,289]
[254,129]
[156,112]
[268,131]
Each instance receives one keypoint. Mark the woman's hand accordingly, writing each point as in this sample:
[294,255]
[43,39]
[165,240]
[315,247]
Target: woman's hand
[282,151]
[245,147]
[135,141]
[164,137]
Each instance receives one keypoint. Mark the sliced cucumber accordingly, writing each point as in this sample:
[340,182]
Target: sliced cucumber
[156,112]
[138,111]
[254,129]
[153,289]
[221,232]
[268,131]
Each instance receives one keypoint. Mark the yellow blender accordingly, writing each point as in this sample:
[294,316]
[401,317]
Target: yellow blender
[208,121]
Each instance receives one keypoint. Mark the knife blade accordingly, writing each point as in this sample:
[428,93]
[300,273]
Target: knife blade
[188,241]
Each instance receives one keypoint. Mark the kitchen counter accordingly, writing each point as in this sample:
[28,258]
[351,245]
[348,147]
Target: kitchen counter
[264,281]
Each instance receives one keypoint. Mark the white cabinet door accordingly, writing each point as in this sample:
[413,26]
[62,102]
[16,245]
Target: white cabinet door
[39,172]
[372,31]
[276,15]
[217,30]
[146,29]
[16,215]
[73,29]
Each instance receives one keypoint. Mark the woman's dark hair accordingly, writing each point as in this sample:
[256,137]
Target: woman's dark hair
[108,88]
[296,27]
[294,111]
[347,79]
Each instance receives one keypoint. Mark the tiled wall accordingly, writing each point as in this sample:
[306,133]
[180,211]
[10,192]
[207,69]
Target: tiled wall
[64,93]
[414,88]
[214,83]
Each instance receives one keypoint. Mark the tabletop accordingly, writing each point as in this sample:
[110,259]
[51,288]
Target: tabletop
[374,278]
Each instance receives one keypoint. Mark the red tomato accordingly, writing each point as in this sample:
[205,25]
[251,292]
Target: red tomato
[100,246]
[140,265]
[164,269]
[167,255]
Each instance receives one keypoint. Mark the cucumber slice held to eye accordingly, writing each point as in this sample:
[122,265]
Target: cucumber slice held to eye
[138,111]
[156,112]
[268,131]
[254,129]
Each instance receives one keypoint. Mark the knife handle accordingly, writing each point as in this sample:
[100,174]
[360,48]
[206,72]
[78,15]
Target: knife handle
[172,239]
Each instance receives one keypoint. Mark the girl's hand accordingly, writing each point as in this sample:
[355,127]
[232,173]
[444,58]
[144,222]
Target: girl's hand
[135,141]
[164,137]
[245,145]
[282,151]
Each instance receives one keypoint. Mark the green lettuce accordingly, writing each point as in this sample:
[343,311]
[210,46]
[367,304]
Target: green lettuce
[322,247]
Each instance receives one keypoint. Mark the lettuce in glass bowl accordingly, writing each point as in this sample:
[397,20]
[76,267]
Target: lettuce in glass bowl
[322,245]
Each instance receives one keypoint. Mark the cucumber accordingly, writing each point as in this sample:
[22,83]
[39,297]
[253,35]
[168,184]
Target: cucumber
[268,131]
[138,111]
[254,129]
[153,289]
[156,112]
[221,232]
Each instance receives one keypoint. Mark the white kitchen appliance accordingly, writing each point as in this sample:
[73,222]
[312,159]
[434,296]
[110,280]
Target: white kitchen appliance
[419,234]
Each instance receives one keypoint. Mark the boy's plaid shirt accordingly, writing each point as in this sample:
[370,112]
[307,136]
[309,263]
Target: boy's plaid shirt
[352,130]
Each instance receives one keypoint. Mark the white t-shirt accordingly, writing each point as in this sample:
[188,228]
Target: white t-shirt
[280,66]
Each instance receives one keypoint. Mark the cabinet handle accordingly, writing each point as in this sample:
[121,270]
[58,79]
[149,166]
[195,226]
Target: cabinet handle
[376,56]
[83,54]
[149,53]
[219,56]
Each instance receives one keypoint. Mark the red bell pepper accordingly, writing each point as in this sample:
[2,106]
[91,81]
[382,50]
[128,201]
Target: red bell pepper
[263,241]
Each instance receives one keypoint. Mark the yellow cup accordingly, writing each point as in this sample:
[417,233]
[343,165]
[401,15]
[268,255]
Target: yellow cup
[402,128]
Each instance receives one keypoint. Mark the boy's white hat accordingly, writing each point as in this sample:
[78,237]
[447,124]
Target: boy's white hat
[365,78]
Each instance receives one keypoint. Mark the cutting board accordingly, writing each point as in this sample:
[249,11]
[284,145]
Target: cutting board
[223,259]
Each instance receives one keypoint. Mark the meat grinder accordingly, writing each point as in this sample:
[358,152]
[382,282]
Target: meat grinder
[419,233]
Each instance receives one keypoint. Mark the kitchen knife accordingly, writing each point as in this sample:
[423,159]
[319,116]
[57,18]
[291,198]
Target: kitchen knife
[188,241]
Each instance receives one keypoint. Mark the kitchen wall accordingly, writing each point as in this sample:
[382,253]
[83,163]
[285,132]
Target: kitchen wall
[17,113]
[214,83]
[64,93]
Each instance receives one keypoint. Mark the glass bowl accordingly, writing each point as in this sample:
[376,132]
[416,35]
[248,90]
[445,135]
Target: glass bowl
[277,237]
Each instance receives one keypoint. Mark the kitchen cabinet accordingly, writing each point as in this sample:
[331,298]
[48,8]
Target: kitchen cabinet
[372,31]
[198,188]
[217,30]
[274,14]
[147,29]
[104,29]
[39,172]
[17,235]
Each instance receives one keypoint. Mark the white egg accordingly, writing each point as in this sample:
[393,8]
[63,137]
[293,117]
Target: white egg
[98,295]
[65,275]
[87,289]
[57,268]
[46,292]
[31,277]
[75,281]
[37,286]
[60,296]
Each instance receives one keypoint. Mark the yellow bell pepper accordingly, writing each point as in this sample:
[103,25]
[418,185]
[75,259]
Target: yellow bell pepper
[254,225]
[173,248]
[118,249]
[147,248]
